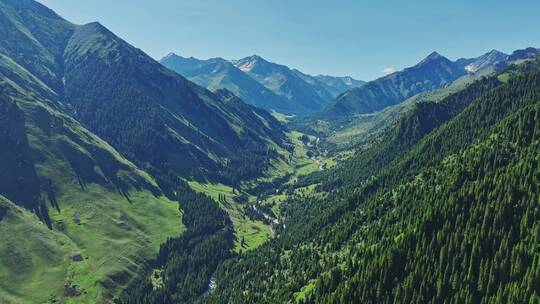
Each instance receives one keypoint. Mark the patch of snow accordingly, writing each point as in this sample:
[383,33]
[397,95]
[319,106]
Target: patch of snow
[248,66]
[471,68]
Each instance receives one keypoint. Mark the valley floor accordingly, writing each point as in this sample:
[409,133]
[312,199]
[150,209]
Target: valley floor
[254,209]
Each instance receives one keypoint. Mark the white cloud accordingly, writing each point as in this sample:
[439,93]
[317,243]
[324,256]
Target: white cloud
[389,70]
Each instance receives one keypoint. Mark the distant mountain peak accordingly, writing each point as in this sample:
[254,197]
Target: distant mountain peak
[248,63]
[175,62]
[171,55]
[486,60]
[97,27]
[434,56]
[255,57]
[494,51]
[524,54]
[262,83]
[433,72]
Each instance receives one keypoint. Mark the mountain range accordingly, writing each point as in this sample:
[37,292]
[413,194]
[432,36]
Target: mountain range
[487,60]
[262,83]
[132,181]
[218,73]
[433,77]
[433,72]
[95,139]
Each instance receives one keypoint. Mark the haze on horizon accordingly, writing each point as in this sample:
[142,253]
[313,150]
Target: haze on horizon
[362,39]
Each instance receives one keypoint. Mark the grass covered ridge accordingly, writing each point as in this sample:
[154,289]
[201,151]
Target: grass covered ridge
[93,199]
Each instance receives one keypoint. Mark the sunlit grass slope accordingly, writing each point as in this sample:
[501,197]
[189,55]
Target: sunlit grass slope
[106,217]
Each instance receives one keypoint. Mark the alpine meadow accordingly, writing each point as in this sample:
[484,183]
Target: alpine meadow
[150,158]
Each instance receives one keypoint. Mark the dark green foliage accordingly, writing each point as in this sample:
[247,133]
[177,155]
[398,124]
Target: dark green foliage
[135,104]
[454,218]
[304,138]
[188,262]
[3,211]
[399,138]
[254,156]
[18,179]
[469,223]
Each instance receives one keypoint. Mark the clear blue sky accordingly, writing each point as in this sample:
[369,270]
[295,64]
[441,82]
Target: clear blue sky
[360,38]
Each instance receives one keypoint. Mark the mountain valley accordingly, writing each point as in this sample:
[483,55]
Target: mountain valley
[130,180]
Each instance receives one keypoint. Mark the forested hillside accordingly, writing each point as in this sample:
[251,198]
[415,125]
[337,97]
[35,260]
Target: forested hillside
[185,265]
[350,130]
[153,115]
[454,219]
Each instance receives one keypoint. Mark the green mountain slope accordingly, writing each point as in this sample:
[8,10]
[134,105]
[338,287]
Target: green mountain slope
[398,138]
[34,36]
[153,115]
[433,72]
[70,196]
[218,73]
[453,218]
[25,245]
[355,130]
